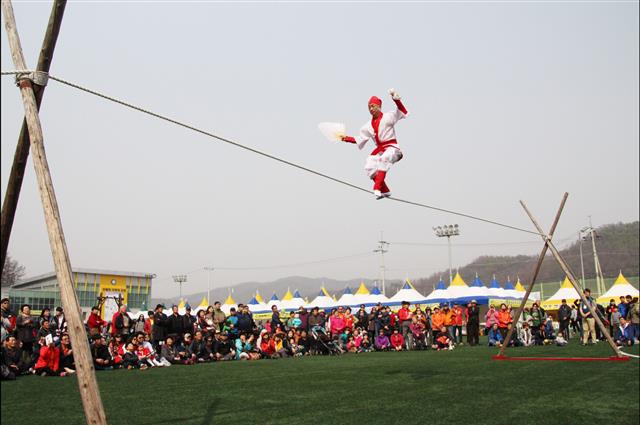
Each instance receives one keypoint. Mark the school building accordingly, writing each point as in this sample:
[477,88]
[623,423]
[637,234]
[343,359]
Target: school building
[133,288]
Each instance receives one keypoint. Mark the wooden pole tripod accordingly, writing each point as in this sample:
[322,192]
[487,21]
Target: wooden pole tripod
[89,392]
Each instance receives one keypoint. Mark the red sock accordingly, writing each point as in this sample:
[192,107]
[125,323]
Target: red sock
[379,180]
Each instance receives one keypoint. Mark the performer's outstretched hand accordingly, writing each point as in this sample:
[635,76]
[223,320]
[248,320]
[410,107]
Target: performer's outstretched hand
[394,94]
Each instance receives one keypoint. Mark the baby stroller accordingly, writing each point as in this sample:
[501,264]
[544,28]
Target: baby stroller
[322,343]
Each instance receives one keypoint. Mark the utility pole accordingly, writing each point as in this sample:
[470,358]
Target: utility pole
[448,230]
[87,383]
[381,249]
[21,154]
[209,270]
[596,262]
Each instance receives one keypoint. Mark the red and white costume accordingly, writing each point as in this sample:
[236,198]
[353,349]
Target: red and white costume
[387,152]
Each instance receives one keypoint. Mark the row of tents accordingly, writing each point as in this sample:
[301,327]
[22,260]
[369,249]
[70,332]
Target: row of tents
[457,292]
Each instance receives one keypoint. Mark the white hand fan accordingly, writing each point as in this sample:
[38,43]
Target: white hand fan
[333,131]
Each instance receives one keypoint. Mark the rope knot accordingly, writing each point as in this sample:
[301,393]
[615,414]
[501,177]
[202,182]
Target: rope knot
[40,78]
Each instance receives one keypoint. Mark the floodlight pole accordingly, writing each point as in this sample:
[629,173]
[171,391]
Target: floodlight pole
[581,257]
[180,279]
[209,270]
[448,230]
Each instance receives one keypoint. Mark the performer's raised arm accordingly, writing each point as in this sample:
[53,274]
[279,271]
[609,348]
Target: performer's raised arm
[348,139]
[398,101]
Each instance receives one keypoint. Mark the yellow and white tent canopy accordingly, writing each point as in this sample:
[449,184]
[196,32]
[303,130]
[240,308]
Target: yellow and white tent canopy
[362,295]
[621,288]
[292,302]
[229,302]
[519,287]
[323,300]
[458,288]
[204,304]
[566,292]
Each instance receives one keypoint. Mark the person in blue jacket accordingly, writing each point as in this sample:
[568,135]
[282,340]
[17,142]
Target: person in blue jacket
[495,337]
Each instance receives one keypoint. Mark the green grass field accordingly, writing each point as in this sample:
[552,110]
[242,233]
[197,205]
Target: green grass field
[459,386]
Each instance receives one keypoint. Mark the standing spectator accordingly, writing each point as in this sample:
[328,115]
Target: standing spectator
[218,315]
[188,320]
[159,328]
[537,316]
[315,321]
[437,321]
[25,329]
[473,323]
[504,318]
[44,330]
[576,321]
[362,317]
[491,318]
[121,322]
[610,308]
[457,323]
[245,321]
[405,315]
[95,322]
[337,323]
[349,319]
[303,314]
[615,322]
[232,323]
[139,324]
[632,316]
[8,319]
[175,324]
[564,317]
[588,321]
[623,307]
[59,323]
[45,316]
[276,323]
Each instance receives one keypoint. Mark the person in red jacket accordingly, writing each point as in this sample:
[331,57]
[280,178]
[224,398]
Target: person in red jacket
[95,322]
[504,318]
[404,317]
[397,341]
[48,363]
[457,323]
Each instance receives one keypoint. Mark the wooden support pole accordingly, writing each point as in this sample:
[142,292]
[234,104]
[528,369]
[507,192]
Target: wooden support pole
[572,278]
[14,185]
[89,392]
[543,253]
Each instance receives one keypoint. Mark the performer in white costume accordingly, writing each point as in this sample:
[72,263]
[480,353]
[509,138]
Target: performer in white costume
[381,130]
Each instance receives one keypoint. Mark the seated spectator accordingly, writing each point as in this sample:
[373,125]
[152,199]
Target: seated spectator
[100,353]
[196,348]
[351,345]
[549,332]
[66,355]
[295,349]
[417,329]
[12,356]
[244,348]
[223,348]
[173,354]
[365,345]
[382,342]
[131,360]
[267,346]
[525,335]
[443,340]
[625,333]
[495,336]
[281,346]
[514,341]
[117,348]
[397,341]
[48,363]
[146,350]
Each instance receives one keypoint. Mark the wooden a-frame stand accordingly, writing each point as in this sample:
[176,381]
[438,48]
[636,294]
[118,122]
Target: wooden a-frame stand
[548,245]
[89,392]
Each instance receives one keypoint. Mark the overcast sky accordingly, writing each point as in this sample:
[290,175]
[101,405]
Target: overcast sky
[508,101]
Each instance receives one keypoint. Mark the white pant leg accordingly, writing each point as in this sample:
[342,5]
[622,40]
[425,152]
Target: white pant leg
[382,161]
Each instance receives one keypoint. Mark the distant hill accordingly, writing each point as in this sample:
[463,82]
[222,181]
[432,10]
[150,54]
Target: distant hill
[617,245]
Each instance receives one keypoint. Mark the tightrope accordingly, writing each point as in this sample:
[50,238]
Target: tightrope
[267,155]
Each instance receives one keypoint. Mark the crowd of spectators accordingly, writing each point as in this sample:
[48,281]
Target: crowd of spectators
[40,345]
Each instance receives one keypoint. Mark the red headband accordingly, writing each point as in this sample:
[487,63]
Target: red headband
[375,100]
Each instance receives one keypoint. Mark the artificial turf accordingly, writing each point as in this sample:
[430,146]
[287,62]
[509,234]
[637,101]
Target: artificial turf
[453,387]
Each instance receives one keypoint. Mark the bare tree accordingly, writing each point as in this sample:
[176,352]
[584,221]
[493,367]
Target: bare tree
[12,271]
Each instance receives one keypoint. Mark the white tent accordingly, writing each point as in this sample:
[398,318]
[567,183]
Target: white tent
[478,292]
[257,307]
[439,294]
[458,290]
[323,300]
[495,291]
[373,298]
[292,303]
[409,294]
[347,299]
[274,301]
[621,288]
[566,292]
[511,291]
